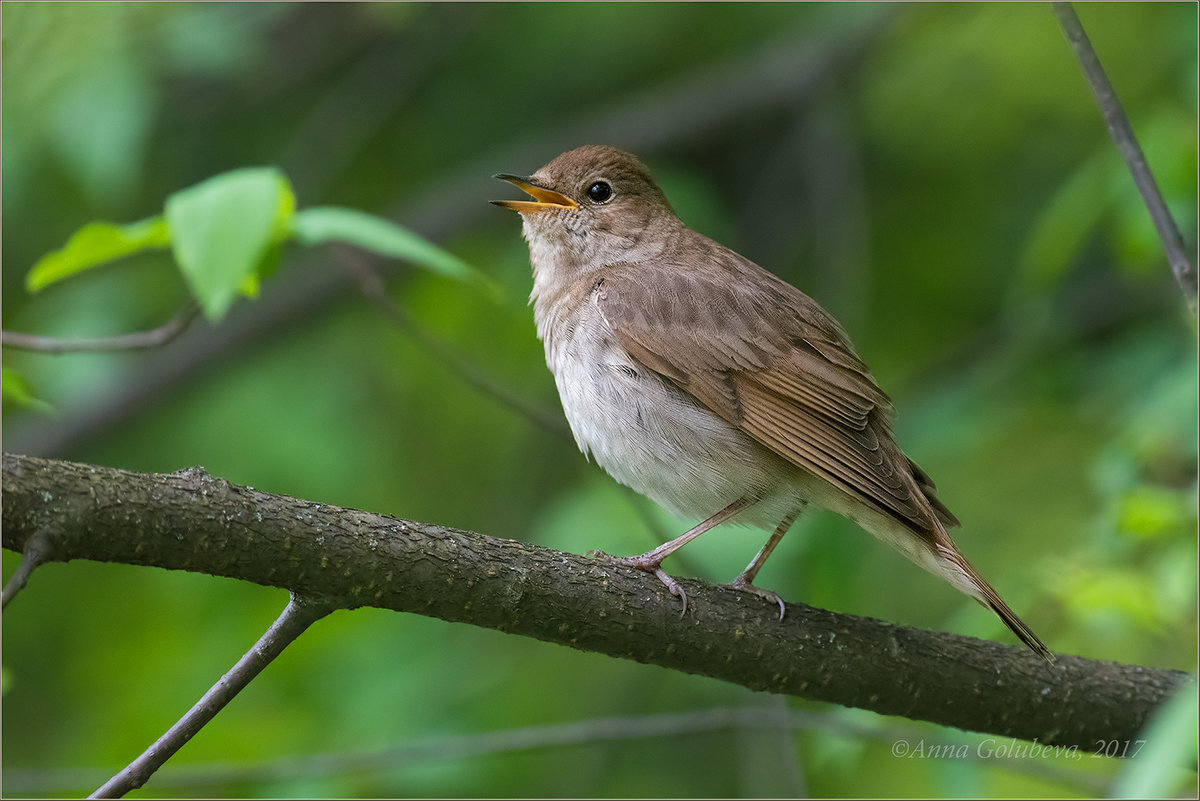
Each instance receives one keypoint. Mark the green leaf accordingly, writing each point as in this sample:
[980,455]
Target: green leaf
[16,390]
[223,229]
[95,244]
[335,224]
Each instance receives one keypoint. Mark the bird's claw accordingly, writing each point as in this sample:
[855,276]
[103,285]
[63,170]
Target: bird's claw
[648,566]
[673,586]
[742,585]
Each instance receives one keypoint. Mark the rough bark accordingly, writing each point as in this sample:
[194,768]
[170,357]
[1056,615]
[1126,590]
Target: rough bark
[189,520]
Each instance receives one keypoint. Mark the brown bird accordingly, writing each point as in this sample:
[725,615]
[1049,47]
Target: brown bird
[701,380]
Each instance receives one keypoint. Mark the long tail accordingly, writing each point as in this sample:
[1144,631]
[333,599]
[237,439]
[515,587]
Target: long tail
[961,574]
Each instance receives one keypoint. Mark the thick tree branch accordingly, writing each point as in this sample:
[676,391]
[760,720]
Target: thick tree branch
[189,520]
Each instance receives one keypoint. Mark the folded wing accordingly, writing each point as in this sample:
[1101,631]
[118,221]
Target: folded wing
[792,383]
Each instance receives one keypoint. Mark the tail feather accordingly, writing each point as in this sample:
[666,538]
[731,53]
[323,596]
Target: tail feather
[1019,628]
[977,587]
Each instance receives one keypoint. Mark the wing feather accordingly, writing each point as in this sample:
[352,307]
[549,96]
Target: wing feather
[795,384]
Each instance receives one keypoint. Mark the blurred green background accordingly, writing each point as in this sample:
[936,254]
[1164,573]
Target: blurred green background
[938,176]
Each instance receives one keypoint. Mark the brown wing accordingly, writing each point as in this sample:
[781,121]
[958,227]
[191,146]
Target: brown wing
[792,382]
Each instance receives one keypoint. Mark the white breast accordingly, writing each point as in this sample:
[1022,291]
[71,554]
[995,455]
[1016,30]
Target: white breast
[646,433]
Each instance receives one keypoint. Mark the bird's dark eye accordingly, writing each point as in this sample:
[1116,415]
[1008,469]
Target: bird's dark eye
[600,191]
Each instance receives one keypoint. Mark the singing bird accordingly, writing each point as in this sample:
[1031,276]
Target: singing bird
[717,389]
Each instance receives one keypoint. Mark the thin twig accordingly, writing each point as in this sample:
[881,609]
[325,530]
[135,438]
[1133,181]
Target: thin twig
[36,551]
[138,340]
[791,767]
[1122,135]
[372,286]
[774,718]
[583,732]
[299,614]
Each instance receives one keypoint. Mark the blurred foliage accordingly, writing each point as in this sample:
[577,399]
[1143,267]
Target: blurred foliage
[945,186]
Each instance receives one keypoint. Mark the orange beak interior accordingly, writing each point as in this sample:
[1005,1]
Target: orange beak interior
[543,199]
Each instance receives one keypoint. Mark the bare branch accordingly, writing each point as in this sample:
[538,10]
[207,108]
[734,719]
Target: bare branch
[297,616]
[200,778]
[35,553]
[191,521]
[138,340]
[1123,136]
[373,287]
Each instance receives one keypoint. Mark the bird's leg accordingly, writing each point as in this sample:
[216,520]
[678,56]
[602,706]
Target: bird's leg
[745,581]
[651,561]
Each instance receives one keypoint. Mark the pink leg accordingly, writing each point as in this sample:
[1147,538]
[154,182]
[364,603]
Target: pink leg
[651,561]
[745,581]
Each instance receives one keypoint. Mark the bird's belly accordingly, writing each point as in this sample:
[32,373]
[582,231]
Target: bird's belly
[660,441]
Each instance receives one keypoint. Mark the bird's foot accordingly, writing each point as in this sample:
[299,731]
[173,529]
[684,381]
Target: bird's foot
[743,584]
[648,563]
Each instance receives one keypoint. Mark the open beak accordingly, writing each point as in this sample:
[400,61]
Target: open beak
[543,199]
